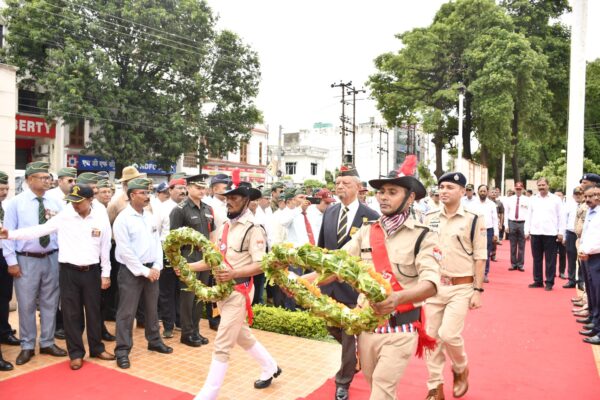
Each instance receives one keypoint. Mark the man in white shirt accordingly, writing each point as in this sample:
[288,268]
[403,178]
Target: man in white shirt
[169,288]
[105,192]
[488,209]
[295,220]
[516,210]
[139,251]
[84,248]
[315,212]
[66,180]
[469,199]
[570,239]
[589,254]
[218,186]
[545,225]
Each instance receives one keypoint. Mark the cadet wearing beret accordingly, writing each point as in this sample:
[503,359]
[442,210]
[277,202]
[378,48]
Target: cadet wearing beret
[139,251]
[216,200]
[469,200]
[66,180]
[105,192]
[277,189]
[34,263]
[84,248]
[193,213]
[463,251]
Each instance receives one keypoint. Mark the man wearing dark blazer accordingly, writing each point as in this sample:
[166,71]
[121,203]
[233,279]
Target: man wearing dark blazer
[340,221]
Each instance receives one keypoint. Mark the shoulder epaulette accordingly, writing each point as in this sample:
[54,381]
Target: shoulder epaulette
[366,221]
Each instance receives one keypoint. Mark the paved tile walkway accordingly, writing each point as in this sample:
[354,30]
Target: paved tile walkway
[306,364]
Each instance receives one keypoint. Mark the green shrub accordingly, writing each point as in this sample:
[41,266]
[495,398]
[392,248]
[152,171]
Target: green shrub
[293,323]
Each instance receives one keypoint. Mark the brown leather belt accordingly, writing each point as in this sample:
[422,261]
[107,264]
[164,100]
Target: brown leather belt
[456,280]
[80,268]
[36,255]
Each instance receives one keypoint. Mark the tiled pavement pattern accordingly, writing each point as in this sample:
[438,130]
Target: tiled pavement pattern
[306,364]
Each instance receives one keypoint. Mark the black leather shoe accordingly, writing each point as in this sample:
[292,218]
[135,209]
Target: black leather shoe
[59,334]
[161,348]
[522,269]
[200,338]
[260,384]
[592,340]
[5,365]
[513,268]
[562,276]
[588,332]
[584,320]
[570,285]
[213,326]
[10,340]
[589,326]
[536,285]
[190,341]
[123,362]
[106,336]
[548,288]
[341,393]
[24,356]
[53,350]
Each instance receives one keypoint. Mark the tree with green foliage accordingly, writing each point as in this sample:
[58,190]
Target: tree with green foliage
[314,184]
[556,172]
[154,78]
[592,111]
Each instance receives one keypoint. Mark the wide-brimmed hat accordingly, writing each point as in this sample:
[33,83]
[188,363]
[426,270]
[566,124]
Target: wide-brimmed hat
[403,177]
[244,189]
[130,172]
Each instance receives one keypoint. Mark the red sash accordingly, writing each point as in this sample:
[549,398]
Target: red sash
[384,267]
[243,288]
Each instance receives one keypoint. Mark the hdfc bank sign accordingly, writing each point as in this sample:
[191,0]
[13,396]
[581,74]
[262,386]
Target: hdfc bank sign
[35,127]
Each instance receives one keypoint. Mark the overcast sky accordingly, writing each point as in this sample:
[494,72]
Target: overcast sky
[305,46]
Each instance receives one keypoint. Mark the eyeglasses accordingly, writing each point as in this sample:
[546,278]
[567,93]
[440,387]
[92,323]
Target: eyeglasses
[43,178]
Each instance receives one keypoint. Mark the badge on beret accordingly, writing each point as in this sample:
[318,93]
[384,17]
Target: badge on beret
[456,177]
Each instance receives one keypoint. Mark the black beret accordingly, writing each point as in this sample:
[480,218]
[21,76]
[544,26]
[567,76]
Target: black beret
[454,177]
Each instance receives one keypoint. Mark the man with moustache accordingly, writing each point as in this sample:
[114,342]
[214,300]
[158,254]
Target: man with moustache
[545,225]
[105,192]
[84,248]
[570,240]
[488,209]
[193,213]
[340,222]
[517,210]
[243,245]
[33,264]
[66,180]
[139,251]
[463,241]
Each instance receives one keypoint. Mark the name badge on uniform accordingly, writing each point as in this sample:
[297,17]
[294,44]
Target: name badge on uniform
[96,232]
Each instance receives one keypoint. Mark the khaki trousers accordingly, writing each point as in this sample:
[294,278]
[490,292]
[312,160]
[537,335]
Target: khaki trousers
[446,313]
[383,358]
[233,327]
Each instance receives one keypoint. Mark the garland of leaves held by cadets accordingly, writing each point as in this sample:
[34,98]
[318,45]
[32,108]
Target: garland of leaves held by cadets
[338,263]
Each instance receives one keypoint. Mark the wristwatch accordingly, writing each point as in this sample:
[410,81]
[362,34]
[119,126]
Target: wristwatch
[480,290]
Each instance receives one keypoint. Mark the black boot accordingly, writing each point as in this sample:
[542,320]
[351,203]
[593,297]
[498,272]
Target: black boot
[5,365]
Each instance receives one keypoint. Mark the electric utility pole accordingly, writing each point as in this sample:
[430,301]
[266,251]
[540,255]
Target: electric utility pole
[345,87]
[353,92]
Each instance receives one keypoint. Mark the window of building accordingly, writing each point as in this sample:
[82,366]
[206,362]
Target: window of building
[313,168]
[260,153]
[77,134]
[290,168]
[244,152]
[32,102]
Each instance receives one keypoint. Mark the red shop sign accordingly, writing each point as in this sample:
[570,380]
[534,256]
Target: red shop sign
[35,127]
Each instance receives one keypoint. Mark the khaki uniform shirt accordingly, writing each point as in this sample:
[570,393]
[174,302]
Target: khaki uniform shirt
[408,269]
[580,218]
[255,244]
[458,252]
[116,205]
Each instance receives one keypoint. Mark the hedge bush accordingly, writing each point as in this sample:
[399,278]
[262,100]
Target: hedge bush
[294,323]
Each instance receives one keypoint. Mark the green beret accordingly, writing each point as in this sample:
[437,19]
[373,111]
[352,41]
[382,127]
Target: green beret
[3,178]
[178,175]
[300,190]
[87,177]
[36,167]
[277,185]
[104,183]
[139,183]
[348,170]
[68,171]
[266,193]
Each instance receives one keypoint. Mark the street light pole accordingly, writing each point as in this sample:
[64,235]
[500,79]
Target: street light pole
[461,98]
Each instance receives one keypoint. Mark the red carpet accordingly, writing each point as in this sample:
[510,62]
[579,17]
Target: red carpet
[522,344]
[92,382]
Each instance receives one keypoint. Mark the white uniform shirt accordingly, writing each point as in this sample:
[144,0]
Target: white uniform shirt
[165,213]
[292,220]
[489,210]
[510,209]
[315,217]
[219,209]
[545,216]
[81,241]
[570,208]
[468,204]
[590,238]
[58,195]
[137,241]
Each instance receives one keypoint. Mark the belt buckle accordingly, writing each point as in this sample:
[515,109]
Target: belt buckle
[446,281]
[85,268]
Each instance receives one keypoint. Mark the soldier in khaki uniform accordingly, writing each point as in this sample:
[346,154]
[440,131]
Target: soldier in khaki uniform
[243,245]
[463,242]
[412,254]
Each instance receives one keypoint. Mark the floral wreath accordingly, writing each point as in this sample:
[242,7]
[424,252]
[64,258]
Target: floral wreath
[352,270]
[211,256]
